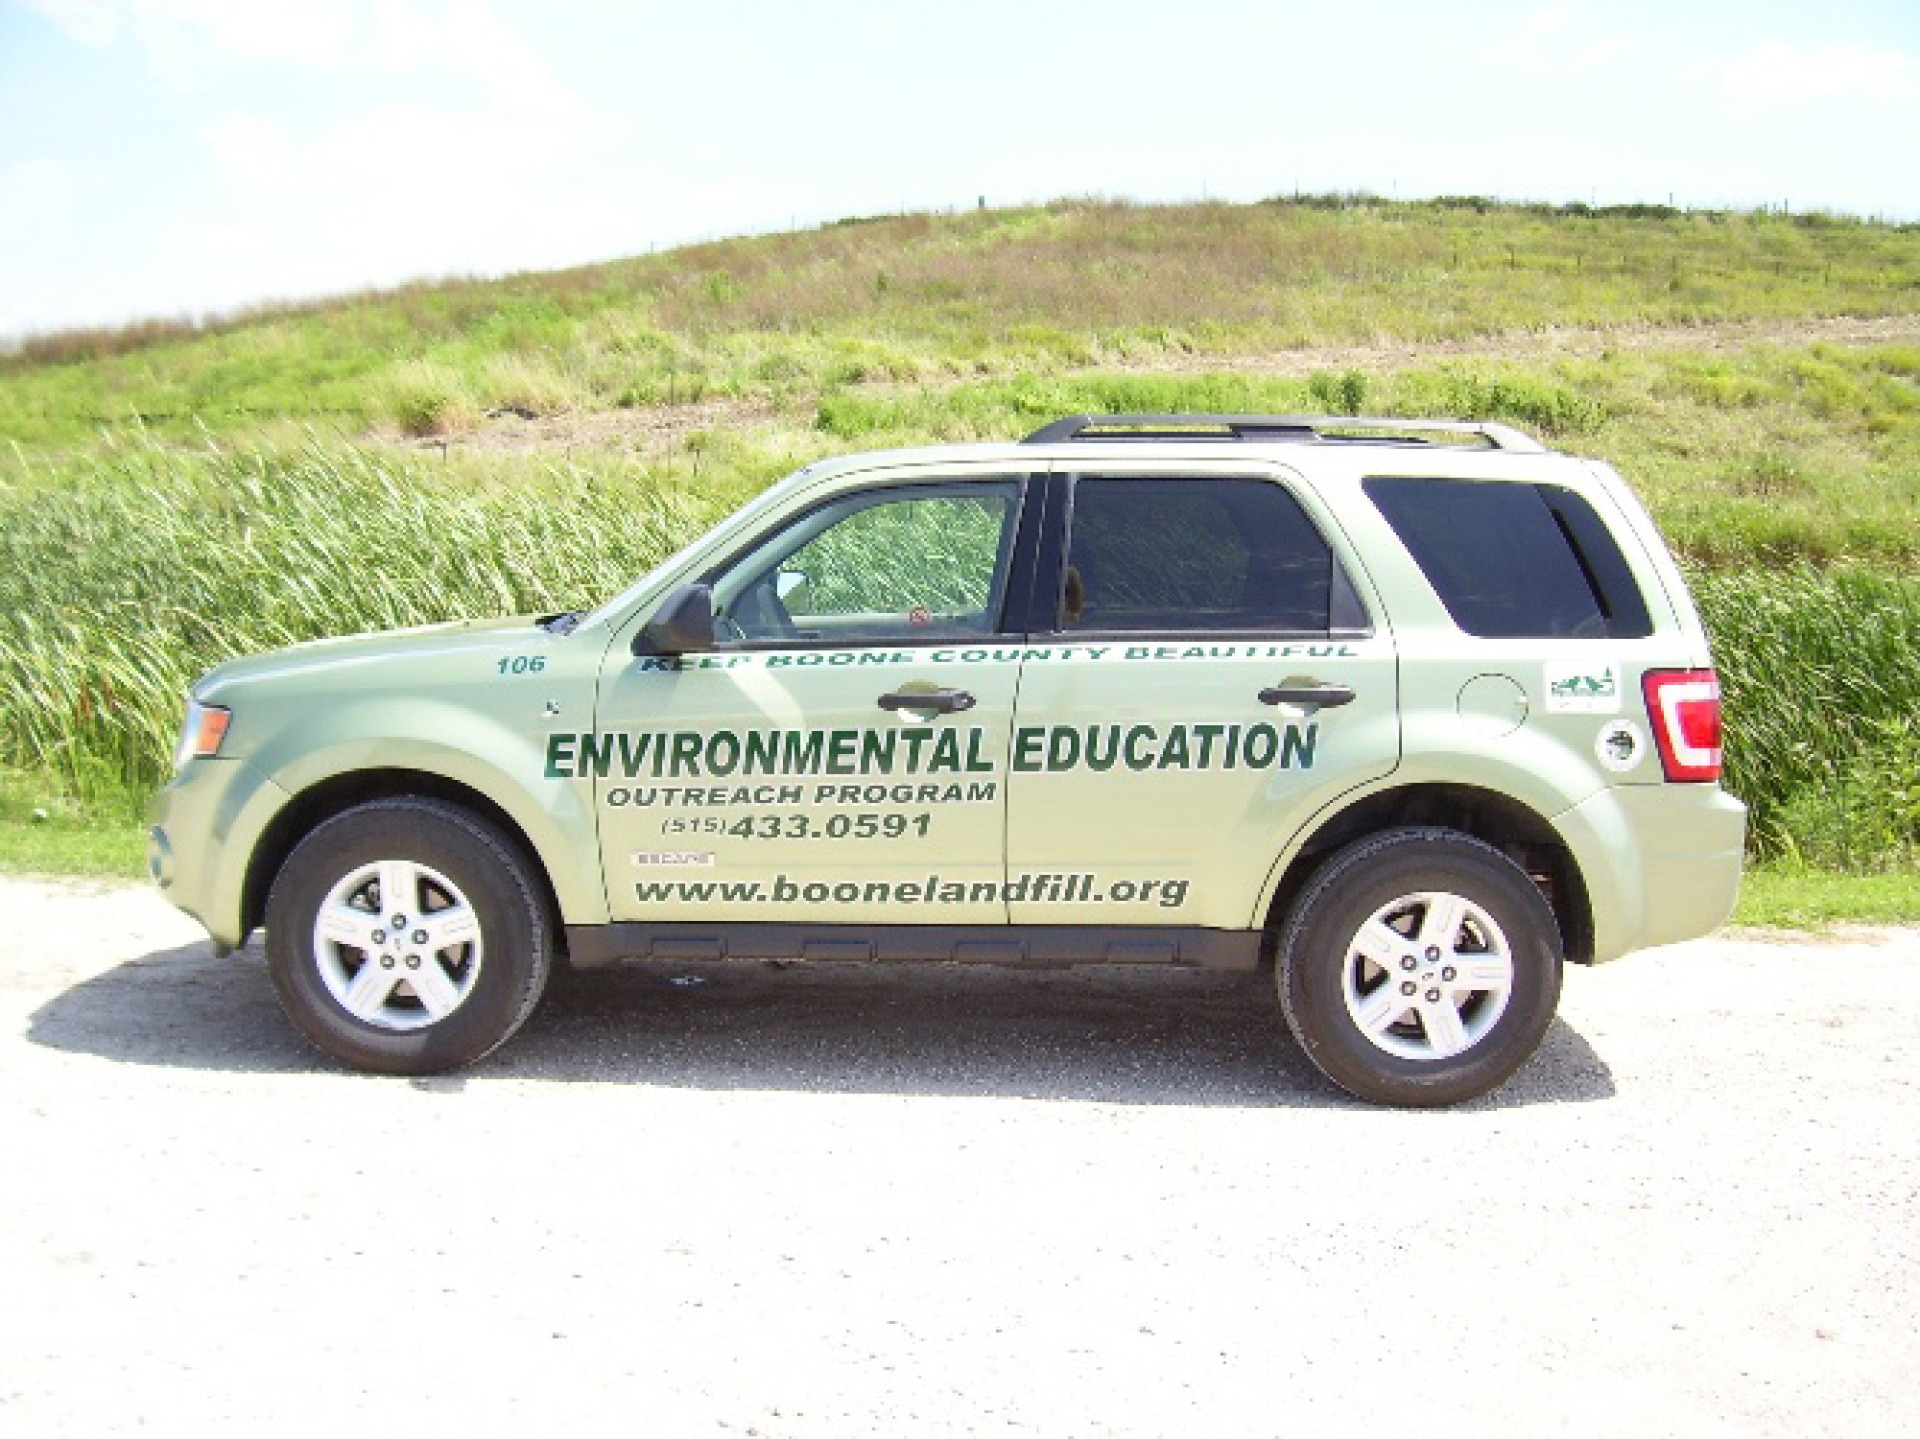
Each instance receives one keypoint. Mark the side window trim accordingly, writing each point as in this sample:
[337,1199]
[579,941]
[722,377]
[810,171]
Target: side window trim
[1021,603]
[1026,516]
[1348,616]
[1579,553]
[1050,567]
[1622,603]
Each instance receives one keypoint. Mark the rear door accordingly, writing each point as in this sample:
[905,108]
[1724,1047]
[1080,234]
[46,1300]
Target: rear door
[1205,673]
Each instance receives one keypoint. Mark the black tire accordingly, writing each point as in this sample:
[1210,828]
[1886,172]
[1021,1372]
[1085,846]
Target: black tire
[1382,1031]
[460,875]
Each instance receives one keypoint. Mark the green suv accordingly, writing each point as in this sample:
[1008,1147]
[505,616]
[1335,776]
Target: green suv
[1413,711]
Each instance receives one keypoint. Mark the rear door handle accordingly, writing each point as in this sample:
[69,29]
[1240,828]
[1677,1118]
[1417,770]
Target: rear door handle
[1327,697]
[943,702]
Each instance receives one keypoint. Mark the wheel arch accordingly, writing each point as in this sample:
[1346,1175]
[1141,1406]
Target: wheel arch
[1517,831]
[326,798]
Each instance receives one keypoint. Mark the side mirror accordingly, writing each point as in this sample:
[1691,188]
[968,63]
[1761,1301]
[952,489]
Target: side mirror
[682,625]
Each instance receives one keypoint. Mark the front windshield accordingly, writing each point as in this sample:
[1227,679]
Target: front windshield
[627,598]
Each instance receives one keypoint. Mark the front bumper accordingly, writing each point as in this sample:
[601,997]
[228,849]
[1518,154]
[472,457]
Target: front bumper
[202,831]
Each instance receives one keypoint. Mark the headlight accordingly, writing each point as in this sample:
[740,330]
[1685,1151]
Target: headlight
[200,737]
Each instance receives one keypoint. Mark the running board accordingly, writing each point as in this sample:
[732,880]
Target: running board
[592,945]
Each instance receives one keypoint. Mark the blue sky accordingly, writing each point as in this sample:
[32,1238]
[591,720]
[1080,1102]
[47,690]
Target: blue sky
[168,157]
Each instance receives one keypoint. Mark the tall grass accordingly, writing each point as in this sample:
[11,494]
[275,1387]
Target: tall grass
[115,594]
[1821,677]
[116,591]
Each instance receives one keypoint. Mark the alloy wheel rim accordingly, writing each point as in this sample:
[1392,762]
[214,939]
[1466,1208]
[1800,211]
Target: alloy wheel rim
[1427,976]
[398,945]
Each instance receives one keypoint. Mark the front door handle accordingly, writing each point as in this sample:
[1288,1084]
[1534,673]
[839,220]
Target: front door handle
[1327,697]
[943,702]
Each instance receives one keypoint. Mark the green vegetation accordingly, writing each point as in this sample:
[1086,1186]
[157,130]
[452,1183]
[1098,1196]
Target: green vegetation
[1821,676]
[44,832]
[117,589]
[941,550]
[174,495]
[929,298]
[1784,897]
[1767,454]
[120,589]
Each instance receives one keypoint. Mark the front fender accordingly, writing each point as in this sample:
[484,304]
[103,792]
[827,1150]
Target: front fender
[502,761]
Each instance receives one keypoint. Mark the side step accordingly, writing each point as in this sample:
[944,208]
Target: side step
[593,945]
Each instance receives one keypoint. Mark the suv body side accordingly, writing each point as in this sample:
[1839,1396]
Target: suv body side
[471,711]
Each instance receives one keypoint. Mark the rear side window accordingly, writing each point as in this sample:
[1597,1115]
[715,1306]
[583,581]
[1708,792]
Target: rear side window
[1515,561]
[1186,555]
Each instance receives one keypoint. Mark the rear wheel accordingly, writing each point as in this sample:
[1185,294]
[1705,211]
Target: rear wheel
[1420,967]
[407,936]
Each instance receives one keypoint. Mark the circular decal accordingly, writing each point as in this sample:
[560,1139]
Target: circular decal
[1620,745]
[918,616]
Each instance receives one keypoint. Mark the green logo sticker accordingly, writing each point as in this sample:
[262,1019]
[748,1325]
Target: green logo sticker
[1583,689]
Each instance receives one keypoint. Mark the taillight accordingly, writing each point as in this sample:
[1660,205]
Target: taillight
[1683,706]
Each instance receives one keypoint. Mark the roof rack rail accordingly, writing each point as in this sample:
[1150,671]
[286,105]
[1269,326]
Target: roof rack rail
[1301,429]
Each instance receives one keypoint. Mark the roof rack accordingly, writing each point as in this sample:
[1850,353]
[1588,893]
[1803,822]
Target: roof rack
[1298,429]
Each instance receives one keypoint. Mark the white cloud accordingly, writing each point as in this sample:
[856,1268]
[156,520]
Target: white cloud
[189,42]
[402,187]
[91,22]
[1558,39]
[408,191]
[396,152]
[1777,71]
[465,38]
[1600,52]
[451,146]
[33,193]
[1545,22]
[315,30]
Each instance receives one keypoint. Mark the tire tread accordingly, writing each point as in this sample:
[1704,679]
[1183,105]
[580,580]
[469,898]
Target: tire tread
[407,811]
[1349,866]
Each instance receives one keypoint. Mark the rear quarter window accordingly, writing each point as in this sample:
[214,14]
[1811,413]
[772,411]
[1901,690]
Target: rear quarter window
[1515,561]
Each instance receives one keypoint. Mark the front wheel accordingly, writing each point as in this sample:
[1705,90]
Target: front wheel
[1420,967]
[407,936]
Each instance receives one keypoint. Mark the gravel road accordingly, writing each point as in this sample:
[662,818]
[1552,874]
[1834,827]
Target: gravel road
[933,1201]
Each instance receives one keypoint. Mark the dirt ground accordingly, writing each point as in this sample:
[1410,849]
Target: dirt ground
[931,1201]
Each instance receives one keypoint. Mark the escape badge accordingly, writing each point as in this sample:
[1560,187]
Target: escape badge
[673,859]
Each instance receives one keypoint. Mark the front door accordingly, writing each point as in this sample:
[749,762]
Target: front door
[840,756]
[1211,679]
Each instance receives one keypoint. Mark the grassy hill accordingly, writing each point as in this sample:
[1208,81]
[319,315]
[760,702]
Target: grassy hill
[989,293]
[172,493]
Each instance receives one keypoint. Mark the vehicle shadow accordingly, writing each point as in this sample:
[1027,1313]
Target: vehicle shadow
[1107,1035]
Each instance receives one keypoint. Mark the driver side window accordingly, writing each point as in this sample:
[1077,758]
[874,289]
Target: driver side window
[916,562]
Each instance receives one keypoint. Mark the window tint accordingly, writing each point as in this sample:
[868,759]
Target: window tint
[1515,561]
[1147,555]
[888,565]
